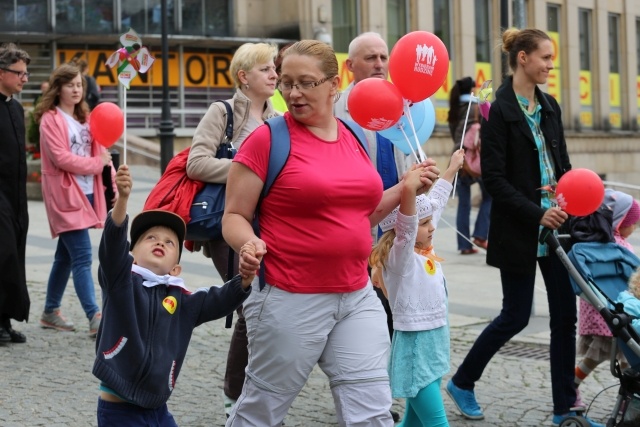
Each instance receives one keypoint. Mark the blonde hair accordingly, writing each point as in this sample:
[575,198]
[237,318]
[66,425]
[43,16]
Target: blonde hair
[634,283]
[325,54]
[380,252]
[51,98]
[515,40]
[250,54]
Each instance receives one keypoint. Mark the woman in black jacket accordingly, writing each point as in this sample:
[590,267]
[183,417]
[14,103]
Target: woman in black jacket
[524,150]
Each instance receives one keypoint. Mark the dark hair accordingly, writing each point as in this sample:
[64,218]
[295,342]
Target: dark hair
[278,61]
[461,87]
[51,98]
[515,40]
[10,54]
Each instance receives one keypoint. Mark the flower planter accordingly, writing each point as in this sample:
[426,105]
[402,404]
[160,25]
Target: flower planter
[34,178]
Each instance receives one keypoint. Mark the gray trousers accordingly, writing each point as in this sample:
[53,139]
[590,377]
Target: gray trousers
[345,334]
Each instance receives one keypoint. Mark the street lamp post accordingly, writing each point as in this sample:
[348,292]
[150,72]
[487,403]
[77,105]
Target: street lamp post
[165,131]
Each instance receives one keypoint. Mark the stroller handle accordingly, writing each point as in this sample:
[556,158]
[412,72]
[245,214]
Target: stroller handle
[547,236]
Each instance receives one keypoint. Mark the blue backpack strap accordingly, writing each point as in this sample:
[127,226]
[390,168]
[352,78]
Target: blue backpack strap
[357,131]
[278,155]
[279,151]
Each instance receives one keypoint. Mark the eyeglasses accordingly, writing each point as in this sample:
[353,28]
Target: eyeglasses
[20,74]
[302,86]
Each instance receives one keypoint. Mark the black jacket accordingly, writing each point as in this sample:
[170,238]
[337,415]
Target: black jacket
[145,331]
[511,174]
[14,217]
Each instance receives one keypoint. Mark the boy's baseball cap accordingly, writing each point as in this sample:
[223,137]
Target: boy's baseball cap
[158,217]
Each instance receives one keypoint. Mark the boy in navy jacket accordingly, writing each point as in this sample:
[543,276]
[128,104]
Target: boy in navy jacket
[148,313]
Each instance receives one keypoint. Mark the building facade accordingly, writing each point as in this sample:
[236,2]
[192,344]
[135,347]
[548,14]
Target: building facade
[597,45]
[596,80]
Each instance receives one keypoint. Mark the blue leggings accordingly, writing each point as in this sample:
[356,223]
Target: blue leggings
[426,409]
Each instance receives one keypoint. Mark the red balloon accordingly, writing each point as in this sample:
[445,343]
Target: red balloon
[107,123]
[418,65]
[580,192]
[375,104]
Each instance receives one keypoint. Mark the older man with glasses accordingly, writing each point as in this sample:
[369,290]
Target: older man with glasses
[14,218]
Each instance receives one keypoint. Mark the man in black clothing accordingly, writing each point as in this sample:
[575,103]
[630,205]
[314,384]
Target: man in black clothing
[14,218]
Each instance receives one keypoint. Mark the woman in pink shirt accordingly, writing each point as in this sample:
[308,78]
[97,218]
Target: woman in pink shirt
[73,192]
[318,305]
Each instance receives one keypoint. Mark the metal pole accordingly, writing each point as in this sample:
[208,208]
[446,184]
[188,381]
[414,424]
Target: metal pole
[518,14]
[165,131]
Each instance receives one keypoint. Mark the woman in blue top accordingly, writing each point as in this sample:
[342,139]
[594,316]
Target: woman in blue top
[524,150]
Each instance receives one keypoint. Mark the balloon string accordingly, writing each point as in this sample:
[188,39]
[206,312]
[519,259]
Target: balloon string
[125,127]
[464,130]
[415,135]
[415,156]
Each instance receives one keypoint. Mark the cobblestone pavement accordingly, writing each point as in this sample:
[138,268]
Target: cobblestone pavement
[48,382]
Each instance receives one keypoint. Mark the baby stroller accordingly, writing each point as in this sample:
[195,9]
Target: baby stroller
[599,272]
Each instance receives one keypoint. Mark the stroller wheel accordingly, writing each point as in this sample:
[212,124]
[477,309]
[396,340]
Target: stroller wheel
[575,422]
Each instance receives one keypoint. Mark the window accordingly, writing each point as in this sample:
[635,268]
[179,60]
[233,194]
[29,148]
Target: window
[442,23]
[520,15]
[615,81]
[586,79]
[205,17]
[483,30]
[345,23]
[554,81]
[584,30]
[614,43]
[144,16]
[84,16]
[24,15]
[397,18]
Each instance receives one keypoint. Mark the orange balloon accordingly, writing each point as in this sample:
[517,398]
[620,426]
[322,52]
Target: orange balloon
[106,123]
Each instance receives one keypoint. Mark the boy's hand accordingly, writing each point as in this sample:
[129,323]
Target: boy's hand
[124,184]
[123,181]
[250,255]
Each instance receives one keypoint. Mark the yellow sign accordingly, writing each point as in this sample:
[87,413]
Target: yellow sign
[585,87]
[483,73]
[586,119]
[553,82]
[346,76]
[445,89]
[615,120]
[614,89]
[198,69]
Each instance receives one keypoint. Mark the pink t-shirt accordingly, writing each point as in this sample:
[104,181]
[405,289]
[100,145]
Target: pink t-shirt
[315,219]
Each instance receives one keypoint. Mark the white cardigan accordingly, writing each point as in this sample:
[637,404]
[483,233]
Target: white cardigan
[416,284]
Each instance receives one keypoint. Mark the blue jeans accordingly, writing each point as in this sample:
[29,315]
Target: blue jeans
[127,414]
[517,289]
[73,255]
[481,228]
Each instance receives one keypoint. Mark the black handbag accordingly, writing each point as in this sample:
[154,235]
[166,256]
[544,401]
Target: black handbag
[207,207]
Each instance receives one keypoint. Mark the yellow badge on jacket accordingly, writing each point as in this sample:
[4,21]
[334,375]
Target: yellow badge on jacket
[170,304]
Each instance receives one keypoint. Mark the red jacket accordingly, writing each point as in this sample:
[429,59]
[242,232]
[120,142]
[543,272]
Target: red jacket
[175,190]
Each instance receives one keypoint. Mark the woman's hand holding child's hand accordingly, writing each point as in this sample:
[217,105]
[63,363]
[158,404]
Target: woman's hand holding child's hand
[250,255]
